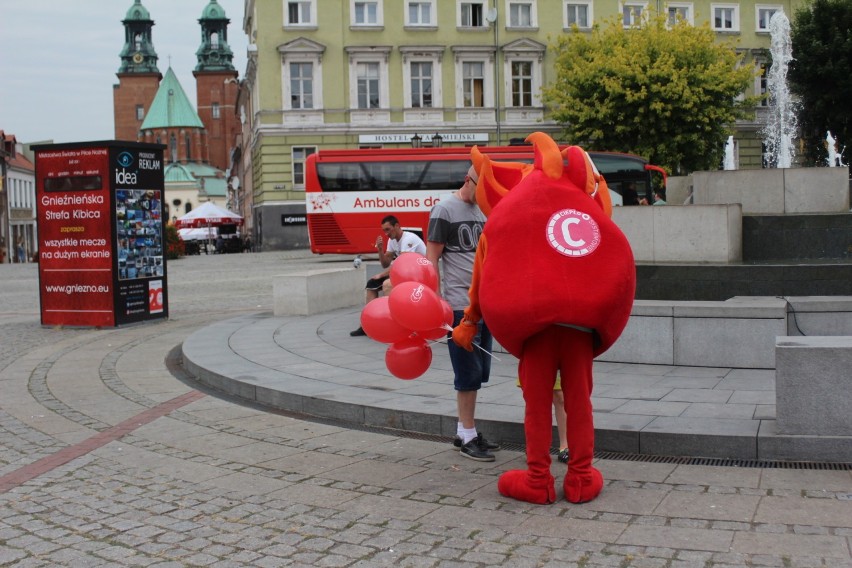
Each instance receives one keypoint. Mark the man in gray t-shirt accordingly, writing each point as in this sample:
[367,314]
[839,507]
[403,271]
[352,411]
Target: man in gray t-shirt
[455,225]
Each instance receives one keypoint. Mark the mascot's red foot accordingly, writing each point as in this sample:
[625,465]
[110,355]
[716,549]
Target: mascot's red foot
[516,484]
[582,488]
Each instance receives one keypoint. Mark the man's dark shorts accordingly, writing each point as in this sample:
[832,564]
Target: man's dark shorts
[471,369]
[375,283]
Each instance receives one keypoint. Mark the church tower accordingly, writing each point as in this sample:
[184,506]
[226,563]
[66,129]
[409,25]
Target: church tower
[216,85]
[138,75]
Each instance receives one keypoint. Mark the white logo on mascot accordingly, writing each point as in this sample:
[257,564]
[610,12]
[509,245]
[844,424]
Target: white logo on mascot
[573,233]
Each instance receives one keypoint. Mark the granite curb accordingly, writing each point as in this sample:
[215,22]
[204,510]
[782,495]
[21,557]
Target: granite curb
[310,365]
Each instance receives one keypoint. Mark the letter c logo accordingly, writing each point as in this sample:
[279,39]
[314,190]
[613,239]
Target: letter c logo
[573,233]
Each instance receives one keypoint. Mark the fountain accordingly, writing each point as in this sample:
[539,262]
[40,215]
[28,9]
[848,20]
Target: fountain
[781,124]
[835,158]
[730,163]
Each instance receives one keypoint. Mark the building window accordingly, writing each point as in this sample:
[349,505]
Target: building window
[578,14]
[367,75]
[471,14]
[300,13]
[521,13]
[726,17]
[522,81]
[301,85]
[187,140]
[214,108]
[421,75]
[473,84]
[763,14]
[420,13]
[300,154]
[632,14]
[366,13]
[173,149]
[421,84]
[760,85]
[679,13]
[140,112]
[301,75]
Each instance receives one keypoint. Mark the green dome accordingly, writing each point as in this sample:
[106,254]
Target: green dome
[213,11]
[137,12]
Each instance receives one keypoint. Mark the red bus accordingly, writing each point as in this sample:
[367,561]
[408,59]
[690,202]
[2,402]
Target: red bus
[348,192]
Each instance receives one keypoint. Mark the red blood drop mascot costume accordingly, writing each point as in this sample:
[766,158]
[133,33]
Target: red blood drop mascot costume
[554,279]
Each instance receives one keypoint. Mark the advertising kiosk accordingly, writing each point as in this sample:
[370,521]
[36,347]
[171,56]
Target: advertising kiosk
[101,233]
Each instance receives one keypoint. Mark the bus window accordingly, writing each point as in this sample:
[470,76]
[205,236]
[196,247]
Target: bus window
[348,192]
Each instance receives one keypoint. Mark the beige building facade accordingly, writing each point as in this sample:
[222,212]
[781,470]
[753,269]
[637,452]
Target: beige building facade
[396,73]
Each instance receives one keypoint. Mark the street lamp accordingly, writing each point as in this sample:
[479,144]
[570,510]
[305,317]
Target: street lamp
[437,140]
[416,140]
[491,18]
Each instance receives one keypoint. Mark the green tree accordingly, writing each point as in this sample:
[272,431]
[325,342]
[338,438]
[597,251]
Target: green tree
[667,93]
[821,74]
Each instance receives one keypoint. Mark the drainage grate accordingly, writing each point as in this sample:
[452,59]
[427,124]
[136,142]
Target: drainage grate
[174,363]
[726,462]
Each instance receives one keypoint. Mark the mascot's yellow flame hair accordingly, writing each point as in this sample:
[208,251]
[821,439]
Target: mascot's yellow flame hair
[497,178]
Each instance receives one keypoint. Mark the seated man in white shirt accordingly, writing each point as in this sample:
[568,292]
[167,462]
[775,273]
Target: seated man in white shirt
[399,242]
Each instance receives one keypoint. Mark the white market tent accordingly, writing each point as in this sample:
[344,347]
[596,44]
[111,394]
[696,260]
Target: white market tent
[205,234]
[208,215]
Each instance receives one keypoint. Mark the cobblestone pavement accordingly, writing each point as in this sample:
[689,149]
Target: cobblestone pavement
[108,458]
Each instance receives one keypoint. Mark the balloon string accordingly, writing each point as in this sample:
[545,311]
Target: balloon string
[448,328]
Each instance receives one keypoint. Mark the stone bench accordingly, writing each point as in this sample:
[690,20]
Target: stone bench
[315,291]
[739,332]
[813,386]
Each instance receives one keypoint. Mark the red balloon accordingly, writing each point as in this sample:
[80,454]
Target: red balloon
[415,306]
[440,332]
[378,324]
[448,312]
[413,266]
[409,358]
[433,334]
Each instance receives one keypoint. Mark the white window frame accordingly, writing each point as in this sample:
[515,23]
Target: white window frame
[531,4]
[681,6]
[759,9]
[312,78]
[311,6]
[423,54]
[379,22]
[294,163]
[409,97]
[735,20]
[589,5]
[460,16]
[369,78]
[761,77]
[526,51]
[307,52]
[433,15]
[355,58]
[636,19]
[215,111]
[510,93]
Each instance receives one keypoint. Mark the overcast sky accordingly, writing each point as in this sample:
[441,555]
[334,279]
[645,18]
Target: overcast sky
[58,60]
